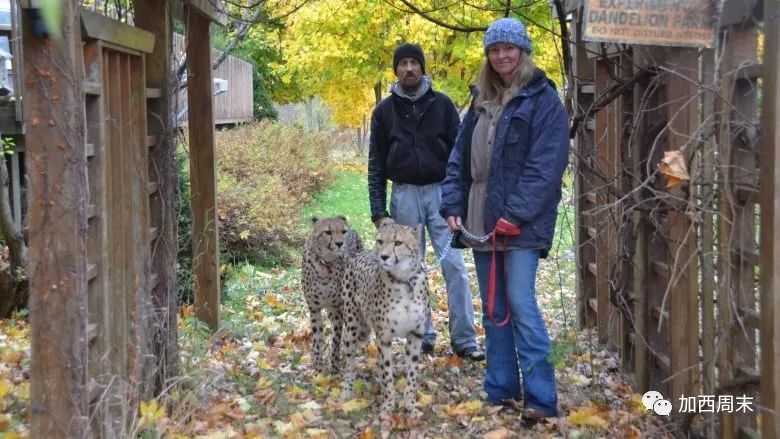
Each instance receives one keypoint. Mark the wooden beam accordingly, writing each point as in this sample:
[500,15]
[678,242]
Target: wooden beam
[210,8]
[202,169]
[155,17]
[100,27]
[57,203]
[769,198]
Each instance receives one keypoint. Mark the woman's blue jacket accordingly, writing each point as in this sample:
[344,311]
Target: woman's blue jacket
[530,154]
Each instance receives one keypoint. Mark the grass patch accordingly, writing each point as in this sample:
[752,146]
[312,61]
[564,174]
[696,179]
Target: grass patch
[347,196]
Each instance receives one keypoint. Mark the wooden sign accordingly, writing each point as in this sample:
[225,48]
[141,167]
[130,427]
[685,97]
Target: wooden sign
[688,23]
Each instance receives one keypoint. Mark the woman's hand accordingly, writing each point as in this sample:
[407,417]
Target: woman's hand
[454,223]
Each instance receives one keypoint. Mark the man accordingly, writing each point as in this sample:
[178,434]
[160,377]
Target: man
[412,133]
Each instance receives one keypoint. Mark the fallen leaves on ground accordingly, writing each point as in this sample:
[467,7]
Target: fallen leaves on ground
[254,378]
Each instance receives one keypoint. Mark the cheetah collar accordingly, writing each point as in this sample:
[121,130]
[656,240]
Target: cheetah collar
[324,269]
[397,280]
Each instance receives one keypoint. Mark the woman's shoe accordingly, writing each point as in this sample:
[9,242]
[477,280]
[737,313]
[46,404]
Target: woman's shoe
[532,416]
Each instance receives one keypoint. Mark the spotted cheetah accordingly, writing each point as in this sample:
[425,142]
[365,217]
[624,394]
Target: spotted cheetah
[386,291]
[324,253]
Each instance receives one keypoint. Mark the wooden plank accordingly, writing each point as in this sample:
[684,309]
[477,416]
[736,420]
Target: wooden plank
[153,93]
[135,90]
[736,223]
[92,332]
[119,222]
[588,89]
[100,27]
[751,318]
[745,193]
[91,271]
[151,141]
[769,198]
[602,161]
[58,230]
[586,286]
[663,361]
[658,314]
[203,172]
[639,228]
[750,72]
[681,95]
[750,258]
[93,88]
[660,269]
[155,16]
[99,349]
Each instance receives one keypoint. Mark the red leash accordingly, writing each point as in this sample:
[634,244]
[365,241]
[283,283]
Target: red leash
[505,229]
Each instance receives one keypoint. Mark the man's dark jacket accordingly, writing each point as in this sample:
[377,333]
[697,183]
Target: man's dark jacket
[410,143]
[530,154]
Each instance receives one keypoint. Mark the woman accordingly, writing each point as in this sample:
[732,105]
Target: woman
[506,168]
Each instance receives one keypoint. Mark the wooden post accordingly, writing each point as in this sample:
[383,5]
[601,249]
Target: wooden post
[707,236]
[769,184]
[585,243]
[155,17]
[604,164]
[57,221]
[202,168]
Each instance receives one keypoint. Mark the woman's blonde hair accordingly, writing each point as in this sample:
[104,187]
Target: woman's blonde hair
[491,87]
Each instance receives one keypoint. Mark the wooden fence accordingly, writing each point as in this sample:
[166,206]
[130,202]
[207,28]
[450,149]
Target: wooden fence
[669,276]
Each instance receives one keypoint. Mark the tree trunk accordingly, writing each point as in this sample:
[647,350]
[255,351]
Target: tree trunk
[13,280]
[378,91]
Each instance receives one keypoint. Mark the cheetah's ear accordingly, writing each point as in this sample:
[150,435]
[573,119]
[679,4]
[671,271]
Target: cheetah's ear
[342,217]
[314,219]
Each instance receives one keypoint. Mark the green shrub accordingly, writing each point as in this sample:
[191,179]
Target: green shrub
[184,218]
[266,172]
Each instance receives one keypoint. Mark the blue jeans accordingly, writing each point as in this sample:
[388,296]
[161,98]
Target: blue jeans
[412,205]
[523,340]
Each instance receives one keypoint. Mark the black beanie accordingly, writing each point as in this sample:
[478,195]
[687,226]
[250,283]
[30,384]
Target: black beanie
[408,51]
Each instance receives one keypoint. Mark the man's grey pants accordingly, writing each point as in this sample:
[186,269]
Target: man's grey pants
[412,205]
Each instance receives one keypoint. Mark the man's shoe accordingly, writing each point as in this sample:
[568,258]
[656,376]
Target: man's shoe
[473,354]
[427,348]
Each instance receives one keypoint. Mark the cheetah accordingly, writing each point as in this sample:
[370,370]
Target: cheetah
[386,290]
[324,253]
